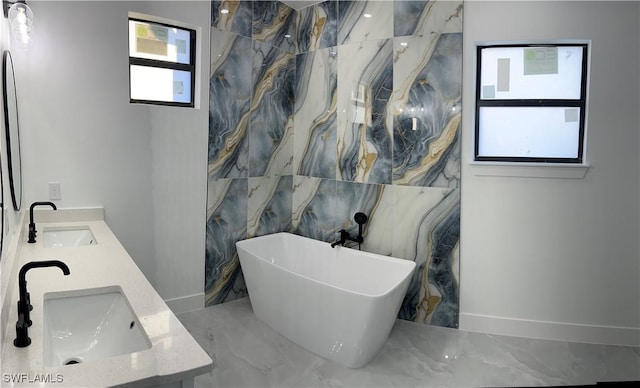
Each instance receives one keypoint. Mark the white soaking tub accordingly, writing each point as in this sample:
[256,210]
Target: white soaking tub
[339,303]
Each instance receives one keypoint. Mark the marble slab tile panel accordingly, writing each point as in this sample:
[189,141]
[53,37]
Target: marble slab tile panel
[229,104]
[315,114]
[317,26]
[426,17]
[380,226]
[426,110]
[274,23]
[427,231]
[440,302]
[365,74]
[232,16]
[360,21]
[271,116]
[352,197]
[226,224]
[314,201]
[269,205]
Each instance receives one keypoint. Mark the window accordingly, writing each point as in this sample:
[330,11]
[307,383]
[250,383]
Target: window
[531,103]
[161,63]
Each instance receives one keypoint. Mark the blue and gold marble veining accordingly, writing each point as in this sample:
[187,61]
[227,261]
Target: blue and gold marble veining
[441,274]
[427,119]
[425,18]
[360,21]
[313,207]
[237,19]
[271,123]
[406,14]
[433,292]
[365,74]
[274,23]
[269,205]
[229,103]
[317,26]
[315,114]
[226,224]
[352,198]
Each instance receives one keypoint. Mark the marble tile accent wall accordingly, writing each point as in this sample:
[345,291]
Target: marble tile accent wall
[357,108]
[360,21]
[251,104]
[365,83]
[317,26]
[315,149]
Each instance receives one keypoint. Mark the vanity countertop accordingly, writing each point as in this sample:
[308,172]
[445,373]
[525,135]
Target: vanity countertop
[174,354]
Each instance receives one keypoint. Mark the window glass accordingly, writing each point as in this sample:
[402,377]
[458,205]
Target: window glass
[531,72]
[159,42]
[531,103]
[155,83]
[161,64]
[526,132]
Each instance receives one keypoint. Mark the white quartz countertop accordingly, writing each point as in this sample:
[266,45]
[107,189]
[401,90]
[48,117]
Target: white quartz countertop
[174,354]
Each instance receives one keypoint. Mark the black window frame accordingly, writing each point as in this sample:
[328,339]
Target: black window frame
[574,103]
[190,67]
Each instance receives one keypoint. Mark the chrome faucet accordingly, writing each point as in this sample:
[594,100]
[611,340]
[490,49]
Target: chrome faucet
[360,219]
[32,225]
[24,304]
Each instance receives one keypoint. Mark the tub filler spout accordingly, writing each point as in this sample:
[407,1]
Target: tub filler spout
[345,236]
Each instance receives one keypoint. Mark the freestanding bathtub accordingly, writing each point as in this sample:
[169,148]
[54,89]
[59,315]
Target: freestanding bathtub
[339,303]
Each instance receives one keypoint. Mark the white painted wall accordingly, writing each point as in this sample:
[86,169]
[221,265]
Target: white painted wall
[179,143]
[145,164]
[558,258]
[78,127]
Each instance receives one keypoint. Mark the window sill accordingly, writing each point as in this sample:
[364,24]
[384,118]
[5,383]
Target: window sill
[530,170]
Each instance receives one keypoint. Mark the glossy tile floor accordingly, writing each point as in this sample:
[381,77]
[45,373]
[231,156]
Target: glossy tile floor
[247,353]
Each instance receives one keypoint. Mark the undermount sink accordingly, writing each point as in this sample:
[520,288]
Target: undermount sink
[68,236]
[89,325]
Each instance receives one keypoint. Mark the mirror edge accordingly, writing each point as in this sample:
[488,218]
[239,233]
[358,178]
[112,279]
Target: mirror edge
[16,198]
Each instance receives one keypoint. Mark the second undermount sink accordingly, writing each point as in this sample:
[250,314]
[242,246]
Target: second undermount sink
[68,236]
[90,325]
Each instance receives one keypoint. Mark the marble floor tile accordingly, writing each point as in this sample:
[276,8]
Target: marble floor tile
[247,353]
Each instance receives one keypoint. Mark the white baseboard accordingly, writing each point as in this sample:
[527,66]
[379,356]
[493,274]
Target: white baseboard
[557,331]
[186,303]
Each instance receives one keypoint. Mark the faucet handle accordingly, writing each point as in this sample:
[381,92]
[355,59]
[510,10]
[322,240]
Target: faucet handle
[23,313]
[22,333]
[29,301]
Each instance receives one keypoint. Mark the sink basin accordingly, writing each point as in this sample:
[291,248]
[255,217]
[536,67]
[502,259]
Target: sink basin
[89,325]
[68,237]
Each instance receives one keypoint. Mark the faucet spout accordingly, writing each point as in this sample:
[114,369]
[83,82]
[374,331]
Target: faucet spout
[24,304]
[344,236]
[32,225]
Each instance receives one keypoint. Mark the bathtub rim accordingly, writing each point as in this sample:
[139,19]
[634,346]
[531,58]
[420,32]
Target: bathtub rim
[377,256]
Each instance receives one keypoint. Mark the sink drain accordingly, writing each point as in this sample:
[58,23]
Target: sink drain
[72,361]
